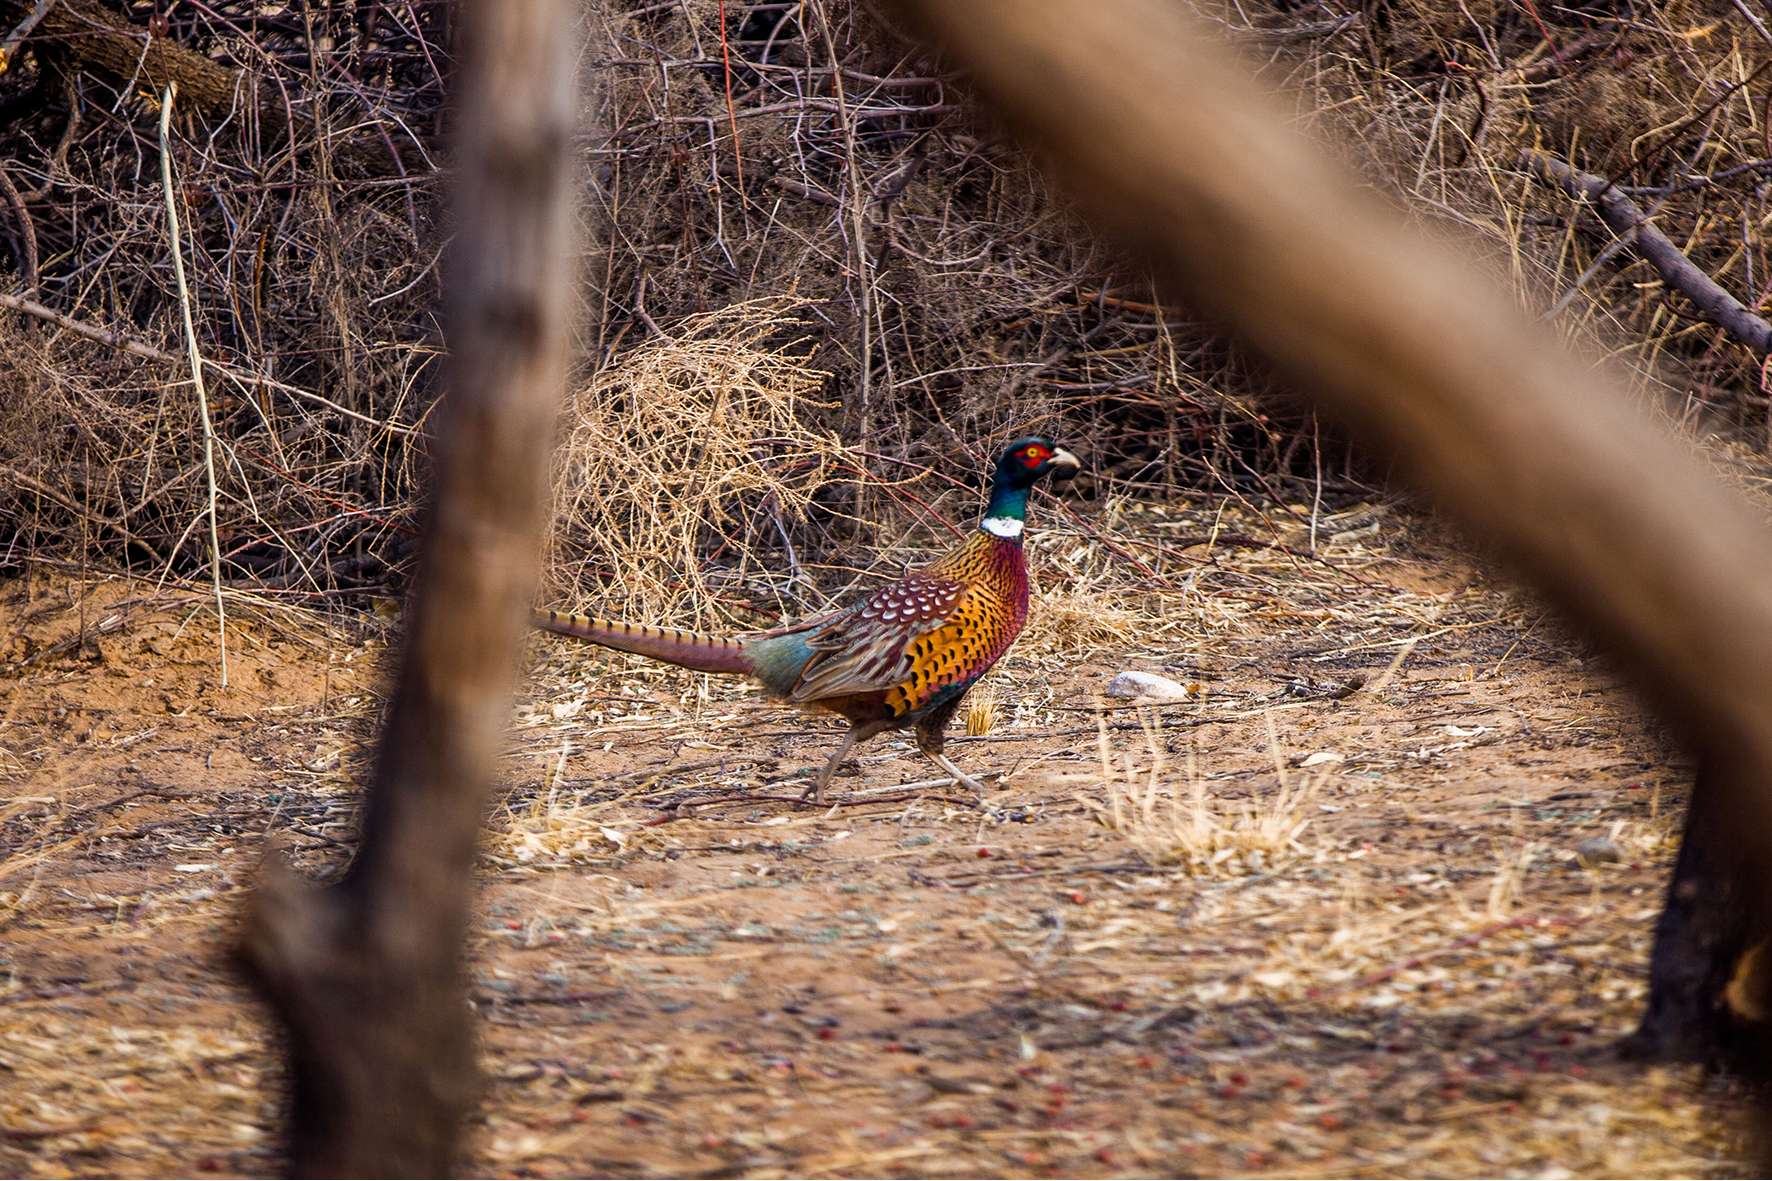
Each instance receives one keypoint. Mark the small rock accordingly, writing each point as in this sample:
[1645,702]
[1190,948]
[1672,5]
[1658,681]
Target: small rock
[1147,685]
[1598,851]
[1320,757]
[953,1086]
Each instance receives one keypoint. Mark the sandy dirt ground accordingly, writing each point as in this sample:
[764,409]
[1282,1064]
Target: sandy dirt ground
[1374,899]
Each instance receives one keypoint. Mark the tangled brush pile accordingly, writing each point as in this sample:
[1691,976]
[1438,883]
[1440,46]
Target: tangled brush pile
[684,468]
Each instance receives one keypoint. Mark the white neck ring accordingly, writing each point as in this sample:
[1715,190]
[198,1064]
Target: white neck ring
[1005,527]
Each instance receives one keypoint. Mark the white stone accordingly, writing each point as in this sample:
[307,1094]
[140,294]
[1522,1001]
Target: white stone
[1150,686]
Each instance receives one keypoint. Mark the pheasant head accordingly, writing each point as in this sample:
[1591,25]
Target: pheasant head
[1023,464]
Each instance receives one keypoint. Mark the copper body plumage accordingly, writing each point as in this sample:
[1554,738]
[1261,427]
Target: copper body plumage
[903,656]
[985,611]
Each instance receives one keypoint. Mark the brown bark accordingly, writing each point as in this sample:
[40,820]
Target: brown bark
[367,974]
[1714,913]
[100,38]
[1615,520]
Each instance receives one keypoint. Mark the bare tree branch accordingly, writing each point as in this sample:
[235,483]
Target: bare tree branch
[1633,226]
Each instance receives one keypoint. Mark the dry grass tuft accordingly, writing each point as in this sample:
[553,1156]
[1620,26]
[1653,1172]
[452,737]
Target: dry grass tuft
[553,836]
[1085,617]
[1656,837]
[551,832]
[983,713]
[1191,830]
[685,465]
[1507,888]
[1087,596]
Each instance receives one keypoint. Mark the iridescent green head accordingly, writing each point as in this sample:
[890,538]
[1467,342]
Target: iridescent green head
[1023,464]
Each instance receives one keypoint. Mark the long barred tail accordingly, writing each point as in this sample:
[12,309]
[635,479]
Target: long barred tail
[697,650]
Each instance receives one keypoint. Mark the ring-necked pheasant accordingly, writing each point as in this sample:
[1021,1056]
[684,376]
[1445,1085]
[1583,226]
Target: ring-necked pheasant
[903,656]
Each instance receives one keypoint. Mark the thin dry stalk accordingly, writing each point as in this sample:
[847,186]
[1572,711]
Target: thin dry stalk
[858,244]
[1507,886]
[983,712]
[184,303]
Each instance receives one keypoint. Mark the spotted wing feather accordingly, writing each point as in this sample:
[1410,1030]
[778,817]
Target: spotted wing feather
[869,647]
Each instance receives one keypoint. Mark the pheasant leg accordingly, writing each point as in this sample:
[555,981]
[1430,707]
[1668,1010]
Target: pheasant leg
[816,792]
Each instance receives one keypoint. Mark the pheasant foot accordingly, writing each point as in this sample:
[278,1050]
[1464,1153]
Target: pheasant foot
[815,793]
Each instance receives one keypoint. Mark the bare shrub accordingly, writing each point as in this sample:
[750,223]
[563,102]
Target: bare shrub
[950,299]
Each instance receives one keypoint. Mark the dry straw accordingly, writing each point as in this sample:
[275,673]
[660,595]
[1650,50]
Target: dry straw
[684,468]
[1185,827]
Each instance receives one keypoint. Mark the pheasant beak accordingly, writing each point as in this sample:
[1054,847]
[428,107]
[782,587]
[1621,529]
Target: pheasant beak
[1064,465]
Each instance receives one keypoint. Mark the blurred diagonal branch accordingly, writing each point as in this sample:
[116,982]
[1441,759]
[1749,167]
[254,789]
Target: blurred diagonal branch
[1172,148]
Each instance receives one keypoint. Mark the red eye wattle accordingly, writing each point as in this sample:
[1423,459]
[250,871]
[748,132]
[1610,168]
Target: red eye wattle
[1033,456]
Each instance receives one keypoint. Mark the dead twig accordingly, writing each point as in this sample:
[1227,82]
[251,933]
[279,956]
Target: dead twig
[22,30]
[27,229]
[1627,219]
[112,338]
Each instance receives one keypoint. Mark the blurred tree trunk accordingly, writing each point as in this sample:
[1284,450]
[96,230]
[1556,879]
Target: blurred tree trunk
[1708,989]
[367,975]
